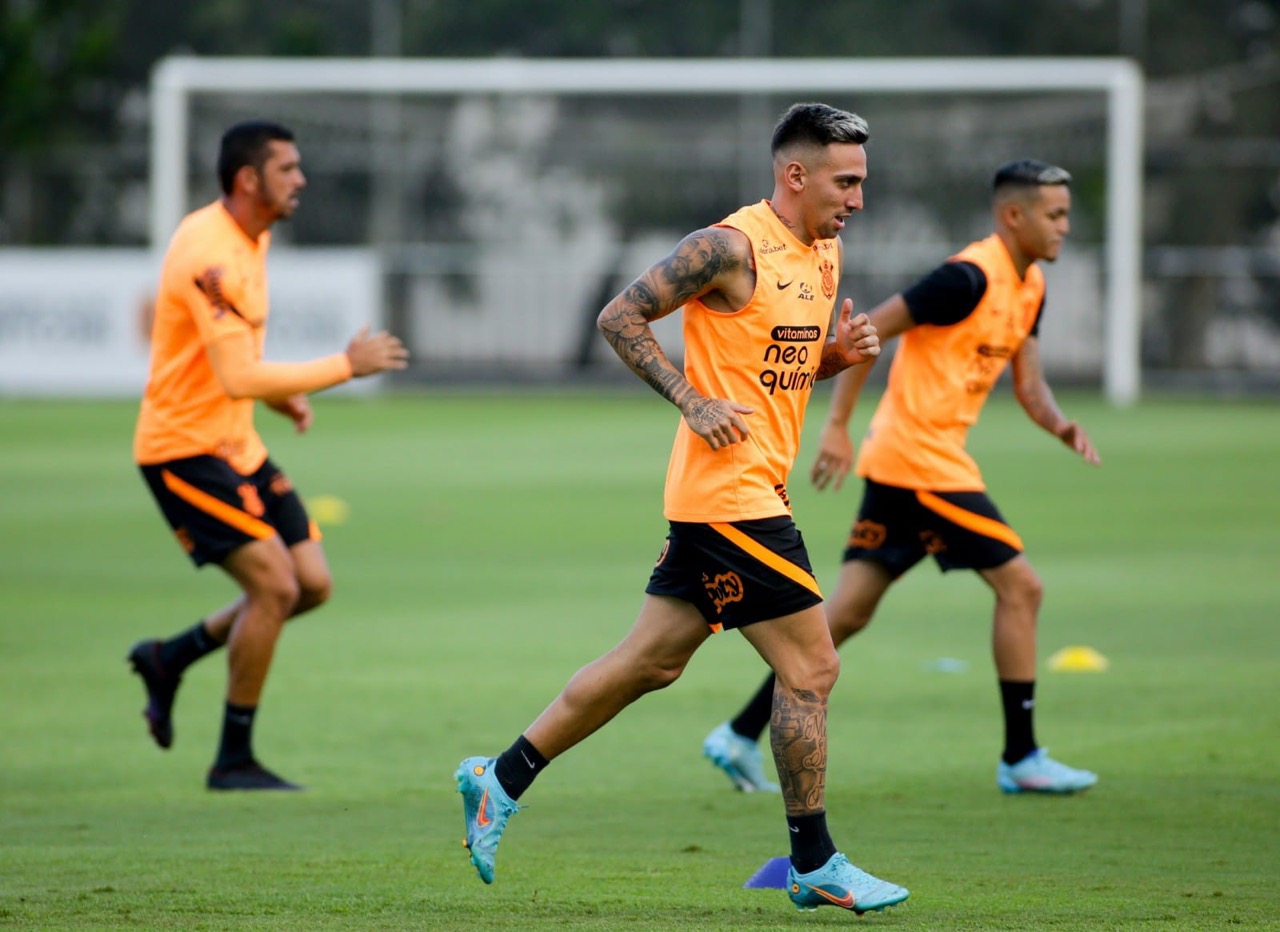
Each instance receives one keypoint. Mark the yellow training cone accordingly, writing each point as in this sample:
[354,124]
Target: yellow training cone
[1078,660]
[328,509]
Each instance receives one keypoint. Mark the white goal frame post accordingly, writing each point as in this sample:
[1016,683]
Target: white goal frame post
[175,79]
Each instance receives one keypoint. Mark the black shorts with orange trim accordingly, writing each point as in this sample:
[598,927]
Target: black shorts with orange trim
[737,573]
[213,509]
[897,528]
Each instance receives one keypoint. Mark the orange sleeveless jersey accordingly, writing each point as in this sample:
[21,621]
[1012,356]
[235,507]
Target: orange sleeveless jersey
[213,283]
[940,379]
[765,356]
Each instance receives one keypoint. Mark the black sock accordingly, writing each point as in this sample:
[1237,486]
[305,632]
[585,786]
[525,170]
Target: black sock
[755,714]
[237,736]
[811,844]
[182,650]
[518,765]
[1018,699]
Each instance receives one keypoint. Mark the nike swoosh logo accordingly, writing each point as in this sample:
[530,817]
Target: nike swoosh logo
[845,902]
[483,820]
[781,285]
[794,829]
[526,759]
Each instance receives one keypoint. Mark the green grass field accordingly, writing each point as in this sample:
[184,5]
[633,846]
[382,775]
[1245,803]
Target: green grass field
[494,544]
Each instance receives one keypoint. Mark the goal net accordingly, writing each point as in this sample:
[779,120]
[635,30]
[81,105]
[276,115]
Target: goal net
[508,200]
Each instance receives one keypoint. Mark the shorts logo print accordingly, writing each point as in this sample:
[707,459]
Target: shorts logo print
[869,535]
[280,485]
[723,589]
[666,545]
[252,501]
[933,543]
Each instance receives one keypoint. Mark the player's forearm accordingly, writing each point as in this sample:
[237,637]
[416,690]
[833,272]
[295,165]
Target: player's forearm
[1038,401]
[283,403]
[631,337]
[276,380]
[844,397]
[833,362]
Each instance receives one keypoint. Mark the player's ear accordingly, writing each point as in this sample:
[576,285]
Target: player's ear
[1011,212]
[794,175]
[247,179]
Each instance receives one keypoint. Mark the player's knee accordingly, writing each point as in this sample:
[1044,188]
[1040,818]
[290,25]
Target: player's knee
[815,675]
[660,675]
[1036,590]
[847,619]
[1023,592]
[827,673]
[1030,589]
[313,592]
[278,595]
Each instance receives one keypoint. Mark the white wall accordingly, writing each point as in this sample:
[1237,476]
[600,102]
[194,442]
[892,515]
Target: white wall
[72,321]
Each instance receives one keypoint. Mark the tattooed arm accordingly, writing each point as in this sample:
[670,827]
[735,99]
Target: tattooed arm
[713,264]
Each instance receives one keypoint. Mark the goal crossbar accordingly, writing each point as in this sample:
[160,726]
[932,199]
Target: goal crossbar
[175,79]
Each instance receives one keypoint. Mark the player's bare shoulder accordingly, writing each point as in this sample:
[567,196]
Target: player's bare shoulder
[714,263]
[710,257]
[709,264]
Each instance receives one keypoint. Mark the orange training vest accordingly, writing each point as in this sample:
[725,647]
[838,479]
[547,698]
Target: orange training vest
[213,283]
[941,377]
[764,355]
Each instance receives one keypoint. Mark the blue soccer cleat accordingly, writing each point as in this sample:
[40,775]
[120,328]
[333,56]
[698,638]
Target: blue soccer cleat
[1040,773]
[486,808]
[740,758]
[839,883]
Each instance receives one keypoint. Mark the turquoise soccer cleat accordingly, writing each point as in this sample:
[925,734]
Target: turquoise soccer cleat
[486,808]
[740,758]
[1040,773]
[839,883]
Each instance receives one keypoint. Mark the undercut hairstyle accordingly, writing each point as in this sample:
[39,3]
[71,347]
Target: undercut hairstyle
[1020,177]
[247,143]
[817,126]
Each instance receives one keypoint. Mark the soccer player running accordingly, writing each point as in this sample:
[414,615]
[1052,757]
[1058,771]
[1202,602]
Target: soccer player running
[960,325]
[208,469]
[758,293]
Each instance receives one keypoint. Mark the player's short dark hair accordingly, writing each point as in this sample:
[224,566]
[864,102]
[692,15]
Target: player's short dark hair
[818,125]
[247,143]
[1028,173]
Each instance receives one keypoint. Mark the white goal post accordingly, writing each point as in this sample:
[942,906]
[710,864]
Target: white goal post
[175,79]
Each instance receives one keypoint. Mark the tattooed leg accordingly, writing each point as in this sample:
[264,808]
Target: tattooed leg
[798,734]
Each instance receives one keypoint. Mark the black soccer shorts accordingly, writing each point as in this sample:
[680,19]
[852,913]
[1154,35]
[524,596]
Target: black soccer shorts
[897,528]
[737,573]
[213,509]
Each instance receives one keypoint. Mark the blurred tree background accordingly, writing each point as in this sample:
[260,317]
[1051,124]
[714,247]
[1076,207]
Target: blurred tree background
[74,84]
